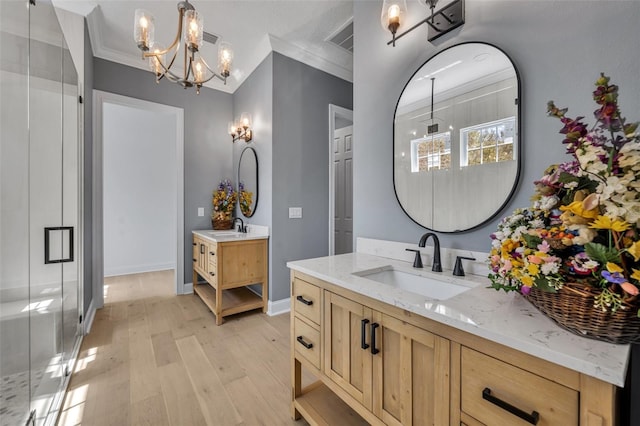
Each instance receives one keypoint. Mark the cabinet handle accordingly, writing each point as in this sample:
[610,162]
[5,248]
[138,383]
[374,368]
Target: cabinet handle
[212,273]
[212,253]
[374,350]
[305,301]
[195,244]
[201,248]
[531,418]
[363,332]
[194,260]
[300,340]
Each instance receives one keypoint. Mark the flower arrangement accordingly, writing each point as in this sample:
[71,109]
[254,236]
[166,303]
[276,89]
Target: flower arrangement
[584,222]
[245,199]
[224,201]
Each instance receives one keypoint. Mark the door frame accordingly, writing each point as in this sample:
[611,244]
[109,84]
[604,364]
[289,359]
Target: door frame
[99,99]
[335,111]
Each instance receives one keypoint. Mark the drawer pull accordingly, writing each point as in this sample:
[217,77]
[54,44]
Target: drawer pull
[212,273]
[305,301]
[531,418]
[195,244]
[212,253]
[201,248]
[300,340]
[194,260]
[363,332]
[374,350]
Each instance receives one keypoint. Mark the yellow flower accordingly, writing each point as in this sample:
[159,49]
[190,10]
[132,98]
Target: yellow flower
[605,222]
[533,269]
[635,275]
[612,267]
[634,250]
[527,280]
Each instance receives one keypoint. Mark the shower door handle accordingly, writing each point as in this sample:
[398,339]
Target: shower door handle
[47,243]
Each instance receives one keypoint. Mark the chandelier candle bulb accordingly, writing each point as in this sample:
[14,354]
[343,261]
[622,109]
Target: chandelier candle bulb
[245,120]
[193,32]
[225,58]
[143,31]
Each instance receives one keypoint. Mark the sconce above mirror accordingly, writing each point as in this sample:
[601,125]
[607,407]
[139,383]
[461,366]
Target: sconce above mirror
[456,138]
[248,182]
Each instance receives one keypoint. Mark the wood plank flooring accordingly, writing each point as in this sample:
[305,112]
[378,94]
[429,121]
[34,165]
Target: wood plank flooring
[153,358]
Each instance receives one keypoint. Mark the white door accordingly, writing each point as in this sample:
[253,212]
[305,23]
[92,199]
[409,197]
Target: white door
[343,193]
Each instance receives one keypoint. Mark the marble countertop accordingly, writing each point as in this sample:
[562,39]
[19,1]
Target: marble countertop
[226,236]
[503,318]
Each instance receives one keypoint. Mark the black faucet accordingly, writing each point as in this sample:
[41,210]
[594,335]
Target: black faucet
[437,266]
[241,228]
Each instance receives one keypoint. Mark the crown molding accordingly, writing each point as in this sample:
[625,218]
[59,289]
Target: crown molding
[309,58]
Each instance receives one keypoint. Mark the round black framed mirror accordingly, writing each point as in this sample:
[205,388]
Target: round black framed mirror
[456,144]
[248,182]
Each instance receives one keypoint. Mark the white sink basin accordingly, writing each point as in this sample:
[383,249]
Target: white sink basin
[229,232]
[417,282]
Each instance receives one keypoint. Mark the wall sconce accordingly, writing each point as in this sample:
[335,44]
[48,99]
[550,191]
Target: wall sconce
[440,22]
[241,129]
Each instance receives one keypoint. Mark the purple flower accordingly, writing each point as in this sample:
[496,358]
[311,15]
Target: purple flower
[525,290]
[614,277]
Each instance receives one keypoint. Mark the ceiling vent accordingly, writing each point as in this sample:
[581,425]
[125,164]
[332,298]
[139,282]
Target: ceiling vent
[343,37]
[209,38]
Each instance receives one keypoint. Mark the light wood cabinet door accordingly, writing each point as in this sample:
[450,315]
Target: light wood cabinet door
[410,374]
[346,362]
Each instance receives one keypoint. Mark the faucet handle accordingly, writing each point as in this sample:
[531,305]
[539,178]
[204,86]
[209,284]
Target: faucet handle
[417,262]
[457,269]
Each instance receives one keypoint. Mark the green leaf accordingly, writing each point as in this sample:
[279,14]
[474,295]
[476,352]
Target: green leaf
[602,253]
[544,285]
[532,241]
[567,178]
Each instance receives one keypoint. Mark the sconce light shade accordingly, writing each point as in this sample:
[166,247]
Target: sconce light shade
[440,22]
[393,14]
[241,129]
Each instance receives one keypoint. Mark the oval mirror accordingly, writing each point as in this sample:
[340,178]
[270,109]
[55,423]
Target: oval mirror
[456,142]
[248,182]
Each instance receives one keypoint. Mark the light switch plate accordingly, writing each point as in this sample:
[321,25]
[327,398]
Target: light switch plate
[200,211]
[295,212]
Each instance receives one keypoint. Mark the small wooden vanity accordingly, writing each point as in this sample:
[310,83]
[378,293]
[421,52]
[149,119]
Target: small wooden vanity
[229,264]
[380,364]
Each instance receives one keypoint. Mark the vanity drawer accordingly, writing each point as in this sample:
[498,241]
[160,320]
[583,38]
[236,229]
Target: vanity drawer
[306,300]
[307,341]
[493,391]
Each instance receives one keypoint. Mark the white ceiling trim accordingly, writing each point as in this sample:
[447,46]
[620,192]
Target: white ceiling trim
[306,57]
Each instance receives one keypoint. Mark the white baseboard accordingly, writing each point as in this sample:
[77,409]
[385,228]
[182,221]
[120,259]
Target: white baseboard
[187,288]
[89,317]
[137,269]
[279,307]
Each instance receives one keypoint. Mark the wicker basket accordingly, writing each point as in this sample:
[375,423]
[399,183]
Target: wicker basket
[572,309]
[220,224]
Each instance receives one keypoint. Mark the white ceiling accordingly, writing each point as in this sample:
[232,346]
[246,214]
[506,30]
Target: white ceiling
[295,28]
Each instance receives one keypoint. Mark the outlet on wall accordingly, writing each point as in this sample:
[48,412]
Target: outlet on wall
[200,211]
[295,212]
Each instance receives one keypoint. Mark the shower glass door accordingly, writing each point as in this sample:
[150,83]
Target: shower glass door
[46,239]
[14,214]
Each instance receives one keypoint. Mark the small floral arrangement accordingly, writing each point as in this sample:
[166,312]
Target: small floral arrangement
[224,201]
[584,223]
[245,199]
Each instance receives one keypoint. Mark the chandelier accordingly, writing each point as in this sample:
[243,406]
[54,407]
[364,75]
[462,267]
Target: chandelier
[196,71]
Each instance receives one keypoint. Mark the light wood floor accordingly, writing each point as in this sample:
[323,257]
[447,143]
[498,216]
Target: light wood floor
[153,358]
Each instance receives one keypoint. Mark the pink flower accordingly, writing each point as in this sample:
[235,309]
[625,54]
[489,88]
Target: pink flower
[535,259]
[544,247]
[630,288]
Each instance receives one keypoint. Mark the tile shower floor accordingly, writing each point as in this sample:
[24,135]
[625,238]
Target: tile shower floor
[14,390]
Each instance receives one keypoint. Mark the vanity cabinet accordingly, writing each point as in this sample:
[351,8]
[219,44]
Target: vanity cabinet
[222,272]
[379,364]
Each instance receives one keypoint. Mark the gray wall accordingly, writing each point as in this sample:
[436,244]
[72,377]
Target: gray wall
[255,96]
[207,148]
[301,98]
[87,210]
[559,57]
